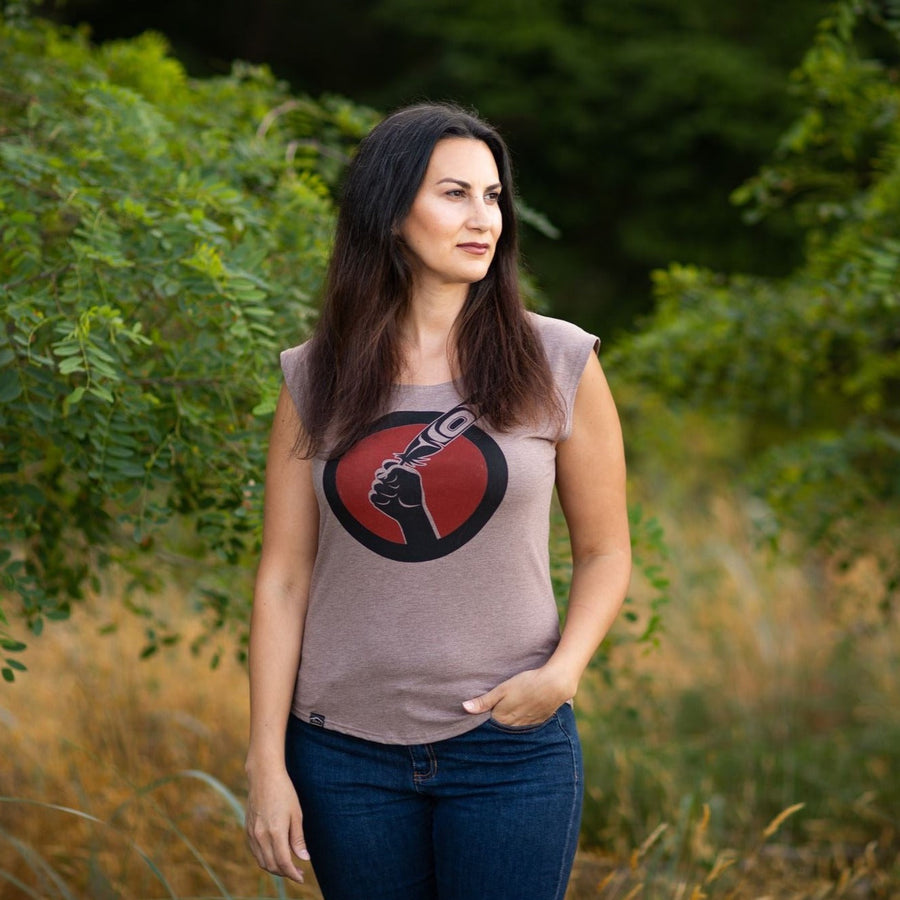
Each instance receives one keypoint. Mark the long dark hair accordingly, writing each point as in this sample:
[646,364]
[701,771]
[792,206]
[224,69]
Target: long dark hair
[355,357]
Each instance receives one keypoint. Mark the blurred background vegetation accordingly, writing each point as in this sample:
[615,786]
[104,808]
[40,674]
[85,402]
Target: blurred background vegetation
[713,188]
[630,122]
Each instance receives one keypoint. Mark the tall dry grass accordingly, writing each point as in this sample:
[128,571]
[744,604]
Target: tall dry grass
[774,689]
[123,778]
[775,686]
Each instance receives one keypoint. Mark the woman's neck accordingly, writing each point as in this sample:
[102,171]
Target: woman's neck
[427,333]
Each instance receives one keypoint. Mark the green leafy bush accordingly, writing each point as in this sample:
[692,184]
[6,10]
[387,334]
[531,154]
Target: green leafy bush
[810,364]
[160,240]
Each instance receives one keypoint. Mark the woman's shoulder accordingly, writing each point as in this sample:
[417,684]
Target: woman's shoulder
[563,340]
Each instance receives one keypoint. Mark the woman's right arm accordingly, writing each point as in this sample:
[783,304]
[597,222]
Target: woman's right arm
[290,537]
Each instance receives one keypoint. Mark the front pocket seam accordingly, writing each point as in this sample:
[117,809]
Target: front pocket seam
[521,729]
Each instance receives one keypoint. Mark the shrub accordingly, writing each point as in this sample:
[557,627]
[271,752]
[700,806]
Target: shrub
[160,240]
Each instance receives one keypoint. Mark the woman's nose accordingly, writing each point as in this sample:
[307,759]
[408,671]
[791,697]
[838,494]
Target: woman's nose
[479,216]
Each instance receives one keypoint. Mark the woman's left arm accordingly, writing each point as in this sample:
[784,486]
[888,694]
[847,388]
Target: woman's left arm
[590,481]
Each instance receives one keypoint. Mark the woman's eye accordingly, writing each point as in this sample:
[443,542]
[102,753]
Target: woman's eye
[492,197]
[456,192]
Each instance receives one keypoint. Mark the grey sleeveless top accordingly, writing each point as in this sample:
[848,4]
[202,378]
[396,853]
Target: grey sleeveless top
[431,583]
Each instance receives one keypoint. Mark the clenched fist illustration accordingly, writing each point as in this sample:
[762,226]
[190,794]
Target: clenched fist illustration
[397,491]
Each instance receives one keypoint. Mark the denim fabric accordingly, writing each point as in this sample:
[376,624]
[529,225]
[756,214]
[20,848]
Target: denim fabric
[492,814]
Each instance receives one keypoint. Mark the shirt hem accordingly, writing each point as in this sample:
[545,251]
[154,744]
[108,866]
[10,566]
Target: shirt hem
[430,737]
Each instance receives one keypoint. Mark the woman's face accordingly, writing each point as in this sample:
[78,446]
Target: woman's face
[454,223]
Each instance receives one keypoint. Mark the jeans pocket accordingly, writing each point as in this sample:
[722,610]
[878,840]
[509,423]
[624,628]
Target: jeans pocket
[520,729]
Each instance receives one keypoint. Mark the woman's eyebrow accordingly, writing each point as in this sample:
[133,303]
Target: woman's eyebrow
[466,185]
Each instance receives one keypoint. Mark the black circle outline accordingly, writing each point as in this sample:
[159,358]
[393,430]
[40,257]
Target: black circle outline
[498,478]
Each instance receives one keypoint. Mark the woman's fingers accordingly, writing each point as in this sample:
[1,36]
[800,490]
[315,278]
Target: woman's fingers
[273,853]
[276,839]
[298,842]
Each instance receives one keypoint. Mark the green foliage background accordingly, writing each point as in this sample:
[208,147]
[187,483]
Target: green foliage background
[163,236]
[630,121]
[160,241]
[808,365]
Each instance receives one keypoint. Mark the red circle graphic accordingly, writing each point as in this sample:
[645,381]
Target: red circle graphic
[454,481]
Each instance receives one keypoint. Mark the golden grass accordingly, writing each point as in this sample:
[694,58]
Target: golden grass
[93,729]
[102,751]
[767,646]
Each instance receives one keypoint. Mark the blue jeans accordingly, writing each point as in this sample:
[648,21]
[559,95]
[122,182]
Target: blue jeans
[492,814]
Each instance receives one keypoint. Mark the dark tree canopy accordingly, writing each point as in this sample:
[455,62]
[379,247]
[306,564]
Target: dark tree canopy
[631,122]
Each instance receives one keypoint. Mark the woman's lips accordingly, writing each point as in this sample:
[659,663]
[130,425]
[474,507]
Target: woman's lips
[476,249]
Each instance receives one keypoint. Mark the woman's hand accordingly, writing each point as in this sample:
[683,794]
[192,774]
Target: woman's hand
[274,825]
[528,698]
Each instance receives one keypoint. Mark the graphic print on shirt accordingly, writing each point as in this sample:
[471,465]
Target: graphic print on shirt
[419,486]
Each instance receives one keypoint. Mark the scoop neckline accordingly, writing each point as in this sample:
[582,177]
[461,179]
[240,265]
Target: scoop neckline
[439,384]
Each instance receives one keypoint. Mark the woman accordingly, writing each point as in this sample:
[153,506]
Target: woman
[408,680]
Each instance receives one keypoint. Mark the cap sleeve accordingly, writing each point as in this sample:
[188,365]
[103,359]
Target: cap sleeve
[568,348]
[293,367]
